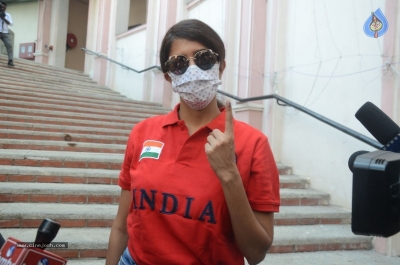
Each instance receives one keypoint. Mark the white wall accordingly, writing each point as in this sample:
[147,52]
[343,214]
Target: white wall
[210,12]
[326,52]
[25,18]
[130,51]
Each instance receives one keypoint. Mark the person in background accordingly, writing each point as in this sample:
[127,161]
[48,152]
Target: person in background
[6,20]
[198,186]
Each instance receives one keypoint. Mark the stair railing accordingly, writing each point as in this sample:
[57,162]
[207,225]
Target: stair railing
[317,116]
[278,98]
[120,64]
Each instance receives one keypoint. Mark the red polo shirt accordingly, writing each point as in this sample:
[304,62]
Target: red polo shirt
[178,213]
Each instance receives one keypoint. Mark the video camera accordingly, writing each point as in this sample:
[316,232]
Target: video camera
[376,177]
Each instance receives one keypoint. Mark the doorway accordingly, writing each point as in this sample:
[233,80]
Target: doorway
[77,25]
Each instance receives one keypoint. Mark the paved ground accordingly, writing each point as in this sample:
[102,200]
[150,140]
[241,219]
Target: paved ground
[355,257]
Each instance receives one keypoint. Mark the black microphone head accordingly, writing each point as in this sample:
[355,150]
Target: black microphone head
[47,231]
[353,157]
[377,123]
[49,226]
[2,241]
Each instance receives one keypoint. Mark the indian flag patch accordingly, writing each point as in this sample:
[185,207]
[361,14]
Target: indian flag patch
[151,149]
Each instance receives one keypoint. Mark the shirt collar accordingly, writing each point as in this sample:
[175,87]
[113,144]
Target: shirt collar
[172,117]
[218,123]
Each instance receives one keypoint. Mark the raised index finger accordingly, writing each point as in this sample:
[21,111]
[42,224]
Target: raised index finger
[229,119]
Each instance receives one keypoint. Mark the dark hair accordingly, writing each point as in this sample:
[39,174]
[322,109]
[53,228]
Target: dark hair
[192,30]
[3,3]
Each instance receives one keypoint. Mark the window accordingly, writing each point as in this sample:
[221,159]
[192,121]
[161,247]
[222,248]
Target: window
[137,13]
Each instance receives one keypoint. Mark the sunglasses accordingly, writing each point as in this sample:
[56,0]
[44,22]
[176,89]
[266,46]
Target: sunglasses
[204,59]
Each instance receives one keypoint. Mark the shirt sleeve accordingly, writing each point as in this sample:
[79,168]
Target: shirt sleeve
[124,180]
[9,18]
[263,186]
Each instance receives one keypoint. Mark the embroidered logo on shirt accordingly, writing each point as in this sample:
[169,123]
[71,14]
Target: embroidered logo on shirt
[151,149]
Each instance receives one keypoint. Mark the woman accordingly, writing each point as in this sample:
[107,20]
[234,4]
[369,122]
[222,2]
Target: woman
[198,187]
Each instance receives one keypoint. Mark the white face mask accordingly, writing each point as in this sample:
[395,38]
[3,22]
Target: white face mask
[197,87]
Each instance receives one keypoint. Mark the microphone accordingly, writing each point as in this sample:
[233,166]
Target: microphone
[386,131]
[47,231]
[16,252]
[2,241]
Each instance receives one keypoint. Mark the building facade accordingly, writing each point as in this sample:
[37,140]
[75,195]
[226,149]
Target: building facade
[314,53]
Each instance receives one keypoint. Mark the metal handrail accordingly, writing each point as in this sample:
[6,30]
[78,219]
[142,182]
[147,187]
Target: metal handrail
[278,98]
[120,64]
[319,117]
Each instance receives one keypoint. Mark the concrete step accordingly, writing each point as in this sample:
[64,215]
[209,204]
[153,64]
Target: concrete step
[72,146]
[78,193]
[65,90]
[23,215]
[78,115]
[83,100]
[40,66]
[71,94]
[303,197]
[57,129]
[63,104]
[58,175]
[312,215]
[355,257]
[39,70]
[123,124]
[284,169]
[98,261]
[291,181]
[37,158]
[59,193]
[46,75]
[43,75]
[20,79]
[60,136]
[306,238]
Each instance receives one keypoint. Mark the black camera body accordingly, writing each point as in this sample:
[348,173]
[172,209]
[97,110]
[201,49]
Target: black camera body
[376,194]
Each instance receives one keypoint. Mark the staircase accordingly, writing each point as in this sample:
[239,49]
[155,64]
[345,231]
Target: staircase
[62,140]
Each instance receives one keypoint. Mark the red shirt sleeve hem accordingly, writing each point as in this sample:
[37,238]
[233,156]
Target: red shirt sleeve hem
[124,185]
[265,207]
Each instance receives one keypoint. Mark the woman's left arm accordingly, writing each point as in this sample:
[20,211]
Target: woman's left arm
[254,231]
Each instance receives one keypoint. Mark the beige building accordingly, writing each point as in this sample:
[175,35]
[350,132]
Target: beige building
[314,53]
